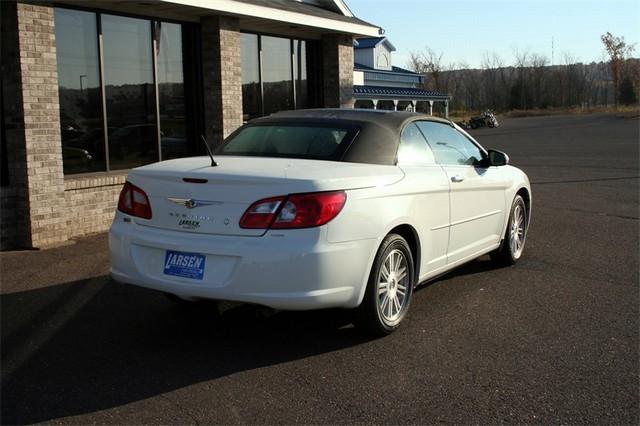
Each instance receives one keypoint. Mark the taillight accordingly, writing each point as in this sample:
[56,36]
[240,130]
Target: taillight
[260,214]
[294,211]
[134,201]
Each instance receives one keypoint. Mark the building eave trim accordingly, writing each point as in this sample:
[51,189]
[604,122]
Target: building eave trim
[344,8]
[245,9]
[405,74]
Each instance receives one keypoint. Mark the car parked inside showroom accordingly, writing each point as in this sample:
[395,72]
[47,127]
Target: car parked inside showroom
[326,208]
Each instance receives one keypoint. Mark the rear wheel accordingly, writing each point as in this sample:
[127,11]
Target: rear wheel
[515,236]
[180,301]
[389,289]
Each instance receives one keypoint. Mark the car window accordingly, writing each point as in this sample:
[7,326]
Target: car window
[286,141]
[413,148]
[449,145]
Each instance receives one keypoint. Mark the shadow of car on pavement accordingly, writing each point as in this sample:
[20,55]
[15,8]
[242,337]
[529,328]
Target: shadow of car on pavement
[63,355]
[90,345]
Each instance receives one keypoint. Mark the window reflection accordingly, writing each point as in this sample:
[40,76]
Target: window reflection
[81,123]
[413,147]
[450,146]
[251,107]
[282,70]
[300,73]
[276,74]
[129,89]
[171,90]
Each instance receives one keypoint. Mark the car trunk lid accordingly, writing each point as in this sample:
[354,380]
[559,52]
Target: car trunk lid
[191,196]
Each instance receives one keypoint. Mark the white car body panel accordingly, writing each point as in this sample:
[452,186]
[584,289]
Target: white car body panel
[477,206]
[305,272]
[321,267]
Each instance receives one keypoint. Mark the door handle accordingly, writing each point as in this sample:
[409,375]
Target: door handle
[457,178]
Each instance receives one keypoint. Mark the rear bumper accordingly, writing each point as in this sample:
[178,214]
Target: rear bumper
[291,270]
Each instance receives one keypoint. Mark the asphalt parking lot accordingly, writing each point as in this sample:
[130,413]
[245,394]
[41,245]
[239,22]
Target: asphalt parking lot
[553,339]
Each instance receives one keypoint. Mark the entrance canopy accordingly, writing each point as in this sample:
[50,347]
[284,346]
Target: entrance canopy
[397,94]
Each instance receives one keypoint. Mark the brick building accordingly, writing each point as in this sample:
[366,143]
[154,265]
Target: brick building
[91,89]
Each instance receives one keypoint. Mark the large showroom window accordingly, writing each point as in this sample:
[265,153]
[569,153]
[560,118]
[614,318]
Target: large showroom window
[171,90]
[121,85]
[300,73]
[251,88]
[277,78]
[129,91]
[274,74]
[82,128]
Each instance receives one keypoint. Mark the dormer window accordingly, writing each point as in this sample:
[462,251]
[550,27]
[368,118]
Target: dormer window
[383,60]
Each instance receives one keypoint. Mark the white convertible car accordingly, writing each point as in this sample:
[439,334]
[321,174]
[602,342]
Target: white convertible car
[318,209]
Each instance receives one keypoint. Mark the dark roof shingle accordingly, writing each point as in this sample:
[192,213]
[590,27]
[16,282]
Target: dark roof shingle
[368,43]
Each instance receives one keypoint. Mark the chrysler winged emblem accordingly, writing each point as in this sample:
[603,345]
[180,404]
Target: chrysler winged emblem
[190,203]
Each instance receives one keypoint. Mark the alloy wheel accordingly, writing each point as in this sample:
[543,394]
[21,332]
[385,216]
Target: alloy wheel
[393,282]
[517,231]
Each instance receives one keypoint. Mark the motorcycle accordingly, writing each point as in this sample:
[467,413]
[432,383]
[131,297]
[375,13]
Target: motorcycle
[487,118]
[464,124]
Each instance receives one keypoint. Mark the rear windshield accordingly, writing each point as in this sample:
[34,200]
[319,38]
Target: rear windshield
[289,140]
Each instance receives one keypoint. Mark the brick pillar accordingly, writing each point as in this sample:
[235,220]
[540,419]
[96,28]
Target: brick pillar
[337,69]
[30,83]
[222,75]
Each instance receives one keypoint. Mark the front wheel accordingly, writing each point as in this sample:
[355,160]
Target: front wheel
[515,236]
[389,289]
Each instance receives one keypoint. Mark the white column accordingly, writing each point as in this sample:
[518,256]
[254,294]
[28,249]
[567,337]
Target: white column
[446,109]
[430,107]
[395,105]
[375,103]
[415,105]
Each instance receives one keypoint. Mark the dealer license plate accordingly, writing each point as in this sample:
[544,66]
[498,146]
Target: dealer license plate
[181,264]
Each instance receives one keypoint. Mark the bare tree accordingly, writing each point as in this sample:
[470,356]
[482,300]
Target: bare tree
[519,93]
[617,49]
[428,63]
[528,82]
[538,64]
[493,78]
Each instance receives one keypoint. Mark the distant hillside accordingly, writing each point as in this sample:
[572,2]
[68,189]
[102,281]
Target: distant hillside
[537,86]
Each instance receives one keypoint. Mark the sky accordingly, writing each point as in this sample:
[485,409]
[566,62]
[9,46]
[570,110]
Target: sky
[465,30]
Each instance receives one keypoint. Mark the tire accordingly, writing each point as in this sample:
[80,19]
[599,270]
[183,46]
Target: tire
[177,300]
[389,289]
[512,246]
[187,302]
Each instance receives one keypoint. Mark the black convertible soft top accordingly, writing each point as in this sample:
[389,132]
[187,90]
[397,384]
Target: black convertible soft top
[378,133]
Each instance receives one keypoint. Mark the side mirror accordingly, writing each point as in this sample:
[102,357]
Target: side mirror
[498,158]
